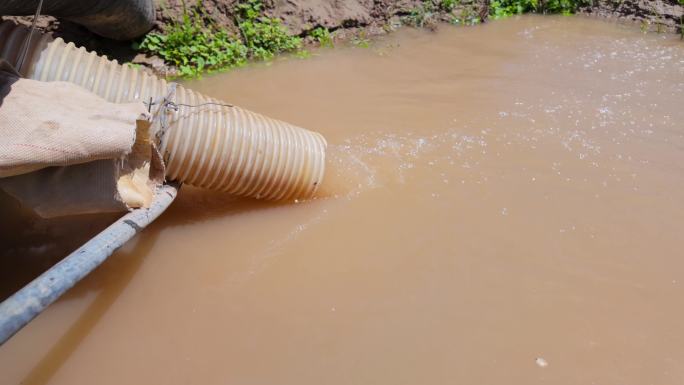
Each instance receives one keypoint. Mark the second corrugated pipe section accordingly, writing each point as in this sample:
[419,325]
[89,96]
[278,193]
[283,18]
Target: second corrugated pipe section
[207,143]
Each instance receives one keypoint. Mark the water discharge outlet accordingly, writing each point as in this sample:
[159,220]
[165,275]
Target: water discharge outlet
[205,142]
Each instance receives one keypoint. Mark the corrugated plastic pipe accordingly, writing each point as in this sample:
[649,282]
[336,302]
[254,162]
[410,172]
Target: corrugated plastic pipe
[207,143]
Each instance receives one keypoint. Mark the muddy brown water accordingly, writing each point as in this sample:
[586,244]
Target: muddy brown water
[504,206]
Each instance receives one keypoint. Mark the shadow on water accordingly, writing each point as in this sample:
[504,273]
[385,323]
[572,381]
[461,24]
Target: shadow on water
[31,245]
[195,205]
[123,266]
[112,278]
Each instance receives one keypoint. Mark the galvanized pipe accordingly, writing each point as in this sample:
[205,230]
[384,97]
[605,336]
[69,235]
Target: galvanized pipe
[24,305]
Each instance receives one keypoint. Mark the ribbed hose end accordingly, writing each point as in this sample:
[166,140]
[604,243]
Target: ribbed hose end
[213,145]
[241,152]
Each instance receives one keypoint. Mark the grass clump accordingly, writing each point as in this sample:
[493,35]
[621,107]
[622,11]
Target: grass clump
[447,5]
[193,47]
[195,44]
[361,40]
[681,22]
[431,11]
[322,36]
[565,7]
[467,15]
[503,8]
[499,9]
[263,36]
[422,15]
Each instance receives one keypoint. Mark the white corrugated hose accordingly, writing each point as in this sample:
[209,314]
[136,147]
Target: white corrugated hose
[207,143]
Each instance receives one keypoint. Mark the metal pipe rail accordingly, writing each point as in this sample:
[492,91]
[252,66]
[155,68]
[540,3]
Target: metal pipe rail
[24,305]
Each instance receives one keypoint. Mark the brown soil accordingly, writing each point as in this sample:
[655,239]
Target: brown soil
[652,15]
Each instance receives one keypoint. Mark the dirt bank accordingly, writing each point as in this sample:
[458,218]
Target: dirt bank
[346,19]
[651,15]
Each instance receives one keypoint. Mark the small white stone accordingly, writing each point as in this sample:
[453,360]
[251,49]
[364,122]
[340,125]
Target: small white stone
[541,362]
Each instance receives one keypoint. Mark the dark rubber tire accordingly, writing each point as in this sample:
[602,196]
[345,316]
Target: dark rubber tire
[114,19]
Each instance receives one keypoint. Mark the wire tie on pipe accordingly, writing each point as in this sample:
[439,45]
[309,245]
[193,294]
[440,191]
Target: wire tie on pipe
[166,104]
[161,113]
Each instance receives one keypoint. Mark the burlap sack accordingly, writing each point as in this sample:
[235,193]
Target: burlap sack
[58,124]
[65,151]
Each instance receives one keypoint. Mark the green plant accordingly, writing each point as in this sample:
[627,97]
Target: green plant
[193,47]
[195,44]
[263,36]
[503,8]
[657,18]
[361,40]
[421,15]
[302,54]
[565,7]
[467,16]
[447,5]
[322,36]
[681,22]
